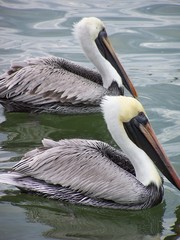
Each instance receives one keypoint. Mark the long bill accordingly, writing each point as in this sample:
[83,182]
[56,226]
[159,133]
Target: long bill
[143,135]
[108,52]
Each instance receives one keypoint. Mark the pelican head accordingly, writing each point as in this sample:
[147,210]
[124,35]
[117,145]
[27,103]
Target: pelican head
[93,38]
[137,139]
[89,27]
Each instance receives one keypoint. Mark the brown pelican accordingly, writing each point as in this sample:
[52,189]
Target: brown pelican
[56,85]
[92,172]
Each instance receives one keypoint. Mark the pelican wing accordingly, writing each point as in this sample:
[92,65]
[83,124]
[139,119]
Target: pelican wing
[48,80]
[84,166]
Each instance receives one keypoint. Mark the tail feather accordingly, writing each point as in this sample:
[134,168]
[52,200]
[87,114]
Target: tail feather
[10,178]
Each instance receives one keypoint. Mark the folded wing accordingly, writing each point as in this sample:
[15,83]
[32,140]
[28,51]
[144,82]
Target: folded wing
[83,166]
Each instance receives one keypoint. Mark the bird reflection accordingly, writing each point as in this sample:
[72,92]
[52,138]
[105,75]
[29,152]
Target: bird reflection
[25,131]
[176,227]
[73,222]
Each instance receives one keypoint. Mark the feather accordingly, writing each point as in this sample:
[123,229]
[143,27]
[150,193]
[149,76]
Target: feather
[83,166]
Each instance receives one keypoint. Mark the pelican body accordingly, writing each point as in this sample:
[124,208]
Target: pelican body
[93,173]
[56,85]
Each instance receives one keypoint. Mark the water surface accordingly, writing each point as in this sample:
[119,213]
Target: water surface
[146,38]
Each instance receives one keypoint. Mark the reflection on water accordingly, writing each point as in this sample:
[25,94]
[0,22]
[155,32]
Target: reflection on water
[26,130]
[146,38]
[175,227]
[73,222]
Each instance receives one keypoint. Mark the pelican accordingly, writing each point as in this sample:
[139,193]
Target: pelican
[94,173]
[56,85]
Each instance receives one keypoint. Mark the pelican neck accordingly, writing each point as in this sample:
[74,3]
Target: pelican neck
[107,71]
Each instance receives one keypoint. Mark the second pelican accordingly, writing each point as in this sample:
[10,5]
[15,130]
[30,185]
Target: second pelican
[57,85]
[92,172]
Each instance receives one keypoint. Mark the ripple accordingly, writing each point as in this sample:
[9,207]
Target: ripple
[165,46]
[170,116]
[172,9]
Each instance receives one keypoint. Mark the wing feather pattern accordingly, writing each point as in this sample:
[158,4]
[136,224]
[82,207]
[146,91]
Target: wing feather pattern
[47,80]
[83,166]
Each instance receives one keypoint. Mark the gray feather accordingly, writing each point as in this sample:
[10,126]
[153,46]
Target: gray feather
[50,82]
[83,166]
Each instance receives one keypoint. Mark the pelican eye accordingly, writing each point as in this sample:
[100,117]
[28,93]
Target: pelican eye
[100,44]
[105,33]
[133,131]
[141,118]
[102,34]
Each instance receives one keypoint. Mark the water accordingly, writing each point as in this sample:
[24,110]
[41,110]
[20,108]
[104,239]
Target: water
[146,38]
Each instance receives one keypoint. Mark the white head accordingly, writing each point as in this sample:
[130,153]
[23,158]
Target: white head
[121,109]
[88,27]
